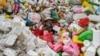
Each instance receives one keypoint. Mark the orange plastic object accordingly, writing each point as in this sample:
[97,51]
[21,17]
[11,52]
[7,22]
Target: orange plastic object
[3,2]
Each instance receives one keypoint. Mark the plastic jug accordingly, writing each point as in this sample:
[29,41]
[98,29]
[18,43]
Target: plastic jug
[91,51]
[96,38]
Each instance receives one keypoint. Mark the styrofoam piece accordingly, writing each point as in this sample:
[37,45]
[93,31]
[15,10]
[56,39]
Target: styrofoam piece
[79,16]
[91,51]
[87,43]
[9,52]
[96,38]
[95,18]
[32,53]
[10,40]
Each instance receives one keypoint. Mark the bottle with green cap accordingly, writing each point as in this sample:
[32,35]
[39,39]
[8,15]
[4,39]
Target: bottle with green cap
[86,35]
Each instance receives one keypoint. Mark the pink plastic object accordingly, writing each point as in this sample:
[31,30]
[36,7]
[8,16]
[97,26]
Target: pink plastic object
[72,48]
[57,47]
[16,8]
[79,10]
[50,45]
[48,36]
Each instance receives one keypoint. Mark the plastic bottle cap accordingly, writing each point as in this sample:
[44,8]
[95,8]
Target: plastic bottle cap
[86,43]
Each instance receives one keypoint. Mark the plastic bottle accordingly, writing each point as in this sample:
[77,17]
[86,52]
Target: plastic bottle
[96,38]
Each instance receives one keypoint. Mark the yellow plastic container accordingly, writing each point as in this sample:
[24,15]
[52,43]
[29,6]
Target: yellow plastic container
[86,4]
[75,40]
[62,31]
[3,2]
[26,5]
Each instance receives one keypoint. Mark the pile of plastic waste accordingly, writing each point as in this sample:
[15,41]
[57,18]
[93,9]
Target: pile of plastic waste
[50,27]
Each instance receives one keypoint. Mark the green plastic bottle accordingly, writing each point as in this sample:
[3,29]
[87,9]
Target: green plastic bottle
[86,35]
